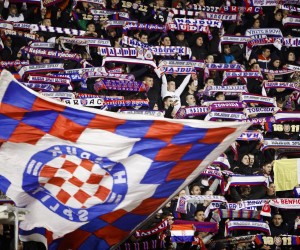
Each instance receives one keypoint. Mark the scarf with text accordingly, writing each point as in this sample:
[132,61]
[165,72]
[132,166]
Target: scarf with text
[282,127]
[241,9]
[199,22]
[54,80]
[291,20]
[120,85]
[143,245]
[246,225]
[177,70]
[243,75]
[189,28]
[214,115]
[261,110]
[184,200]
[226,39]
[221,105]
[98,102]
[135,25]
[52,67]
[52,53]
[280,240]
[41,45]
[263,32]
[154,113]
[196,64]
[263,100]
[126,52]
[39,86]
[126,40]
[191,111]
[279,144]
[8,64]
[219,214]
[18,33]
[84,41]
[235,89]
[134,6]
[250,136]
[59,95]
[274,85]
[59,30]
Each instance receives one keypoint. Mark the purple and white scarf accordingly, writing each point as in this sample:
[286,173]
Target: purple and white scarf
[246,225]
[216,115]
[39,86]
[249,98]
[8,64]
[242,74]
[275,85]
[134,6]
[135,25]
[154,113]
[264,32]
[232,40]
[247,180]
[261,110]
[184,200]
[42,45]
[170,70]
[291,20]
[278,144]
[191,111]
[59,30]
[199,22]
[221,105]
[59,95]
[52,67]
[126,40]
[250,136]
[126,52]
[84,41]
[55,80]
[52,53]
[236,89]
[287,116]
[120,85]
[197,64]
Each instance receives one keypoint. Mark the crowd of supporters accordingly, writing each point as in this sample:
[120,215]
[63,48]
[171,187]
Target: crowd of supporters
[241,62]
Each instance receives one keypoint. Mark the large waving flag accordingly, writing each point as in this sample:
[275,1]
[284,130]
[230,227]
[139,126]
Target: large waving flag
[286,174]
[95,175]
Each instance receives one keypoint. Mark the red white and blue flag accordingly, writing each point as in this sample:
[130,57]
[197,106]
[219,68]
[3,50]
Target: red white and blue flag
[94,176]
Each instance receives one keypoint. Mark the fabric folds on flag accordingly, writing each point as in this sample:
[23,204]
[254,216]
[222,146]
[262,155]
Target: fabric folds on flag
[182,233]
[91,177]
[286,174]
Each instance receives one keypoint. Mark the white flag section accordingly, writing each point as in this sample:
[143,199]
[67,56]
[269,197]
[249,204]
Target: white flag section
[94,174]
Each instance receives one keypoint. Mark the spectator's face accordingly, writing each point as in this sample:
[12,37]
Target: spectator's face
[220,97]
[227,50]
[160,3]
[256,24]
[13,10]
[180,36]
[271,190]
[196,190]
[200,216]
[181,193]
[245,160]
[291,57]
[210,82]
[199,41]
[8,41]
[256,67]
[166,41]
[148,81]
[91,28]
[38,59]
[46,22]
[251,159]
[210,59]
[276,63]
[144,39]
[278,16]
[270,77]
[192,87]
[171,86]
[267,169]
[168,102]
[266,53]
[277,220]
[201,2]
[191,101]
